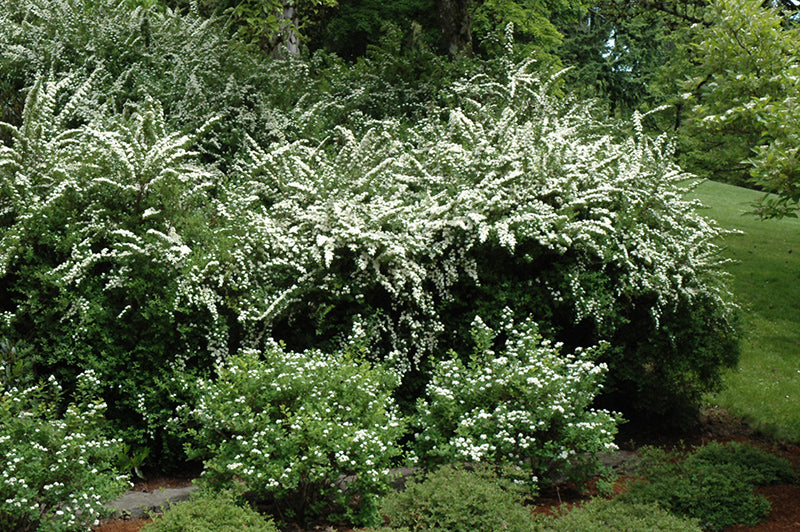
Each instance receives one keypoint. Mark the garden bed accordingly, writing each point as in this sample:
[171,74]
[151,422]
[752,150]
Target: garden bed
[714,425]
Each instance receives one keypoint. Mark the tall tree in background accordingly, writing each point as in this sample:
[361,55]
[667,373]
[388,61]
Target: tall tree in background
[744,123]
[274,26]
[535,24]
[455,17]
[630,54]
[348,28]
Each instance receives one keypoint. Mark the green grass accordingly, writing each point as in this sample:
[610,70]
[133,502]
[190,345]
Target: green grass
[765,278]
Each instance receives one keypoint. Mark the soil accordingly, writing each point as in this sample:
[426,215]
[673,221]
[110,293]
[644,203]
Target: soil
[714,425]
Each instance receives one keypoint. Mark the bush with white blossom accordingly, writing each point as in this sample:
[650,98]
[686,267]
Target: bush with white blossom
[58,471]
[307,432]
[128,249]
[528,406]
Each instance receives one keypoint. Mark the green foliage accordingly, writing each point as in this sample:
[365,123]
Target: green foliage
[457,499]
[580,288]
[91,251]
[629,56]
[714,484]
[15,365]
[743,115]
[134,45]
[529,25]
[353,27]
[187,63]
[288,427]
[602,515]
[310,208]
[207,512]
[527,406]
[58,470]
[267,25]
[757,466]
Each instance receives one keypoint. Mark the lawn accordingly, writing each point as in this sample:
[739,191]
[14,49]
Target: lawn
[765,388]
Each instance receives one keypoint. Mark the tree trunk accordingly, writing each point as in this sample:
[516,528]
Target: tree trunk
[286,40]
[455,17]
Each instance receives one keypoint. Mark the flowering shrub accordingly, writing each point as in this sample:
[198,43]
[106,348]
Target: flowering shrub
[528,406]
[58,472]
[405,229]
[131,248]
[91,255]
[302,430]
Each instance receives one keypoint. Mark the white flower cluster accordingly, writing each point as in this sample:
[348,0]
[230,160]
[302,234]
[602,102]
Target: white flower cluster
[529,407]
[382,226]
[293,424]
[58,474]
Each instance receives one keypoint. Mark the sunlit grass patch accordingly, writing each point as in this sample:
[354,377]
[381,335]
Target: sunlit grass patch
[765,278]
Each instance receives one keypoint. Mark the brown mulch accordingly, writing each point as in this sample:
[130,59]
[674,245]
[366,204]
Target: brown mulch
[121,525]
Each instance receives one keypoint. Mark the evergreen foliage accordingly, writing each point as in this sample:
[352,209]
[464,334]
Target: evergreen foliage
[601,515]
[208,512]
[713,484]
[458,499]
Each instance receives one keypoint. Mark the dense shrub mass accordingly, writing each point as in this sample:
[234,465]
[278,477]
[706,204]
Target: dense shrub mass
[528,406]
[460,500]
[308,433]
[167,200]
[601,515]
[58,471]
[209,512]
[714,484]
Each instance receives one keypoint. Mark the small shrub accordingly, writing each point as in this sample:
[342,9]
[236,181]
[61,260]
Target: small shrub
[207,512]
[455,499]
[714,484]
[602,515]
[528,406]
[758,467]
[307,432]
[58,471]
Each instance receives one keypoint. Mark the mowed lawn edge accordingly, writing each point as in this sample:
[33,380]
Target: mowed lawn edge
[765,279]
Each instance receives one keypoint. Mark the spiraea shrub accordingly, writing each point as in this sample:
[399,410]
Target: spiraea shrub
[97,224]
[59,470]
[150,254]
[514,198]
[186,62]
[527,406]
[307,433]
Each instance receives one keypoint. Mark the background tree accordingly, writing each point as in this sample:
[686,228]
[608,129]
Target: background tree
[743,124]
[348,28]
[274,26]
[630,54]
[535,25]
[455,17]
